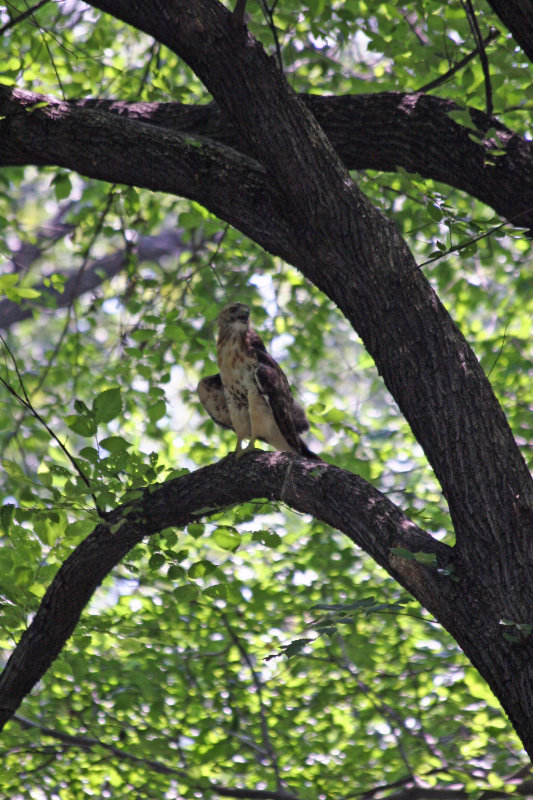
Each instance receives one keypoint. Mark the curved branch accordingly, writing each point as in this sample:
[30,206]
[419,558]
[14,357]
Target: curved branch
[120,150]
[349,250]
[299,201]
[330,494]
[381,131]
[357,257]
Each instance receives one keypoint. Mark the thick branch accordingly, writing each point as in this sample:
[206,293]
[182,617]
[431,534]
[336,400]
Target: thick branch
[314,216]
[517,16]
[119,150]
[380,131]
[335,496]
[356,256]
[359,260]
[384,131]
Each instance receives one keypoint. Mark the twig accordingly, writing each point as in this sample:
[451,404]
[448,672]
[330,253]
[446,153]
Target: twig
[462,246]
[474,27]
[493,34]
[75,284]
[22,17]
[262,713]
[26,403]
[269,16]
[500,350]
[215,254]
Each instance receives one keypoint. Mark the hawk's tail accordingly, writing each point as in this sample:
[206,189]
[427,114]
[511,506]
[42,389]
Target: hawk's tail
[306,452]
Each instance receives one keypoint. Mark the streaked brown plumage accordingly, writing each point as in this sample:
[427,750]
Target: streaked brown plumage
[251,395]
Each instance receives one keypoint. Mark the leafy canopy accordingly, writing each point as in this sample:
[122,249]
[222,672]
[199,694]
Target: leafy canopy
[261,645]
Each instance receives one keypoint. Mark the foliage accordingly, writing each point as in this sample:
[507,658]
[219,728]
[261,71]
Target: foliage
[204,662]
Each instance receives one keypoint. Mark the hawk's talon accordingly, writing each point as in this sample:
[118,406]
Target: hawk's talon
[240,451]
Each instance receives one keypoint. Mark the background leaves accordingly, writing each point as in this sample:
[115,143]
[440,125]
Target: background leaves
[200,661]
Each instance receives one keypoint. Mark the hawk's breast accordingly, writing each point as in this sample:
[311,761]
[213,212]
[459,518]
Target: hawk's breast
[237,367]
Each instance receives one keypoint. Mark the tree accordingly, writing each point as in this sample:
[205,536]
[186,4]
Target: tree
[275,166]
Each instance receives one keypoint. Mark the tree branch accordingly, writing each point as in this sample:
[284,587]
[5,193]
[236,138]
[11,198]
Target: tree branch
[21,17]
[441,79]
[296,198]
[330,494]
[268,747]
[119,150]
[476,33]
[357,257]
[381,131]
[350,251]
[517,16]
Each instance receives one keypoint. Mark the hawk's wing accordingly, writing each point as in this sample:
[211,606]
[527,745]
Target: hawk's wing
[274,387]
[211,393]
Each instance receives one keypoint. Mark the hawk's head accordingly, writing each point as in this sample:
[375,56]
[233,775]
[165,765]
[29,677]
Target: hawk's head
[235,316]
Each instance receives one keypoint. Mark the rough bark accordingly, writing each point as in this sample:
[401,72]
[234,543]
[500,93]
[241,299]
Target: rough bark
[381,131]
[330,494]
[119,150]
[319,220]
[517,16]
[360,261]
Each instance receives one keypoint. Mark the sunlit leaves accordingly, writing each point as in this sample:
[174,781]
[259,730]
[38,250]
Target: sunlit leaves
[107,405]
[166,661]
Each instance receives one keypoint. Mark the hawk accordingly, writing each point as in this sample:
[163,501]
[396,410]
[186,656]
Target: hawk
[251,395]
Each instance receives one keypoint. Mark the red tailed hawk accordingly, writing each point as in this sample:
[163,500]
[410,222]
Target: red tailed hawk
[251,395]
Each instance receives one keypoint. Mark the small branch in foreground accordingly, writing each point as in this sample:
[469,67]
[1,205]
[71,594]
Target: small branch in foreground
[474,27]
[26,403]
[267,743]
[493,34]
[23,16]
[462,245]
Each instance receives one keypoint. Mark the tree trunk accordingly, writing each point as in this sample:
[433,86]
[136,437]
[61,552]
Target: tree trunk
[294,193]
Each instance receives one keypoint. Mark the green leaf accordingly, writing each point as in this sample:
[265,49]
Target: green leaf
[201,568]
[115,444]
[185,593]
[219,591]
[157,411]
[434,212]
[156,561]
[107,405]
[196,529]
[47,530]
[79,530]
[295,647]
[89,454]
[267,538]
[226,538]
[62,186]
[26,293]
[83,425]
[15,472]
[6,516]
